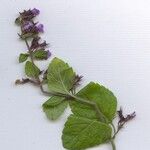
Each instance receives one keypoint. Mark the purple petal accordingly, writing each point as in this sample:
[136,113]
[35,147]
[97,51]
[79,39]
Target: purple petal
[27,25]
[40,28]
[48,54]
[44,44]
[35,11]
[35,43]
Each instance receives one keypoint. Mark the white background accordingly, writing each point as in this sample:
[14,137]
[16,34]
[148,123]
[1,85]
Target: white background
[107,41]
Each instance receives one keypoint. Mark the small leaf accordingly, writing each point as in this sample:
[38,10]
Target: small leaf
[18,21]
[81,133]
[54,107]
[31,70]
[40,54]
[104,98]
[23,57]
[60,76]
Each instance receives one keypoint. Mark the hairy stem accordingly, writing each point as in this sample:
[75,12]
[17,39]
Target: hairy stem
[38,78]
[81,100]
[31,57]
[52,93]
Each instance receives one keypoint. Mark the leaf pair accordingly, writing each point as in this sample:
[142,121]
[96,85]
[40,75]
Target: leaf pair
[83,129]
[60,80]
[40,54]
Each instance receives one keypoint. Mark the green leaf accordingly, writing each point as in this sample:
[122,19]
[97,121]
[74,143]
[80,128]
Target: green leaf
[104,98]
[18,21]
[40,54]
[54,107]
[23,57]
[60,76]
[31,70]
[81,133]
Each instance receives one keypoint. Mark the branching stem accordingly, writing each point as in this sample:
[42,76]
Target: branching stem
[118,129]
[38,80]
[91,103]
[71,97]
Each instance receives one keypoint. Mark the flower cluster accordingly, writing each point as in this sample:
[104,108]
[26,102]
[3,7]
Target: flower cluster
[30,30]
[31,27]
[123,119]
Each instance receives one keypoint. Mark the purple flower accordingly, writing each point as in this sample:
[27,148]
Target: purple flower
[35,11]
[48,54]
[40,28]
[27,26]
[35,43]
[29,14]
[43,45]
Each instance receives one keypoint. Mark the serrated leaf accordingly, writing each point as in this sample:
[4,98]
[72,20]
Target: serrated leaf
[104,98]
[60,76]
[40,54]
[31,70]
[23,57]
[81,133]
[54,107]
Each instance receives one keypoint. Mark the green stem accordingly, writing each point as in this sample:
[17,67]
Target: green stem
[114,129]
[72,96]
[119,128]
[113,144]
[81,100]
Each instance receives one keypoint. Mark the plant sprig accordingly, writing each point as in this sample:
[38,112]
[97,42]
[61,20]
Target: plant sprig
[93,107]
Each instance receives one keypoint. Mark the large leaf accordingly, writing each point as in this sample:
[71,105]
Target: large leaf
[81,133]
[60,76]
[105,100]
[54,107]
[31,70]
